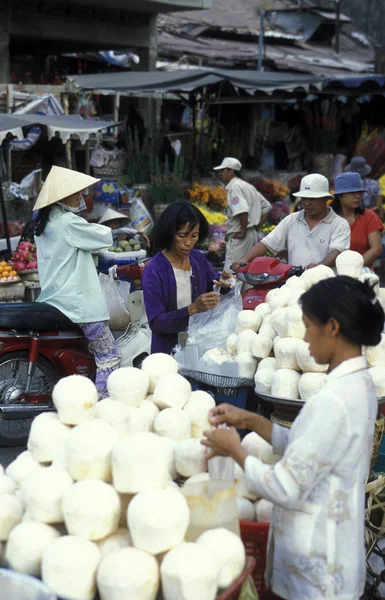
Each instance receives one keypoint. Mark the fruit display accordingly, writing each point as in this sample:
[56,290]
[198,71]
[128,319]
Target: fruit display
[25,259]
[126,246]
[7,273]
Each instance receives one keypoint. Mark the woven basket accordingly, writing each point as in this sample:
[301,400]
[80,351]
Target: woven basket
[377,438]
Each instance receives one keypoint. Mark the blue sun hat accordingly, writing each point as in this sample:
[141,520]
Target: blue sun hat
[347,183]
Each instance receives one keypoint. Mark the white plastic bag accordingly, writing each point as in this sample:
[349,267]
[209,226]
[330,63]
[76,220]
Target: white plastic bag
[140,217]
[119,315]
[221,468]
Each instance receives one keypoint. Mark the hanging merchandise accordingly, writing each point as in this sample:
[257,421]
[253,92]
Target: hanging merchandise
[140,217]
[28,142]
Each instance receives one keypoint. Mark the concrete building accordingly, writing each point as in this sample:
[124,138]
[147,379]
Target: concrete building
[50,27]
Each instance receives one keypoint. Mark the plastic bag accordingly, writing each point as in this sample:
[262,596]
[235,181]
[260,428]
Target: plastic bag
[140,217]
[119,315]
[221,468]
[212,504]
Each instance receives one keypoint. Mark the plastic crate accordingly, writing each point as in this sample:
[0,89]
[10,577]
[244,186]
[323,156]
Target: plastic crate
[254,537]
[236,396]
[232,593]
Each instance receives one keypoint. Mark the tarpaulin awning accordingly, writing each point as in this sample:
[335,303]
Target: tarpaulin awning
[187,81]
[63,125]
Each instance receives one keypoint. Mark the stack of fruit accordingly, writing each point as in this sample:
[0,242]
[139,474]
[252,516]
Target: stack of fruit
[126,246]
[24,259]
[7,273]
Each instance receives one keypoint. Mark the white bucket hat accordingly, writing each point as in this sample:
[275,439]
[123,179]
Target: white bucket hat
[229,163]
[113,215]
[60,184]
[314,186]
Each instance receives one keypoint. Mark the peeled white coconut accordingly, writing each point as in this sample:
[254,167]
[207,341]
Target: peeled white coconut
[120,539]
[375,355]
[88,450]
[172,391]
[170,448]
[378,377]
[44,493]
[150,411]
[263,381]
[128,385]
[47,437]
[158,365]
[350,263]
[200,478]
[246,341]
[285,354]
[91,509]
[173,423]
[74,398]
[281,299]
[7,485]
[198,408]
[140,461]
[267,363]
[306,362]
[261,346]
[128,574]
[229,552]
[295,282]
[11,514]
[125,500]
[278,321]
[23,466]
[256,446]
[190,458]
[275,343]
[115,414]
[294,325]
[216,356]
[270,295]
[285,384]
[310,384]
[231,344]
[60,461]
[2,471]
[158,520]
[189,572]
[26,546]
[243,491]
[295,297]
[264,511]
[247,365]
[372,279]
[69,567]
[267,328]
[247,319]
[262,310]
[246,510]
[315,275]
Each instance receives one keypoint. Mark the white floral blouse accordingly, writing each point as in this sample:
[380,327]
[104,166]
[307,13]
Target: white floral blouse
[316,546]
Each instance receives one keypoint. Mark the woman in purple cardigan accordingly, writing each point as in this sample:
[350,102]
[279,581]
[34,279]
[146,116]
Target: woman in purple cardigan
[179,281]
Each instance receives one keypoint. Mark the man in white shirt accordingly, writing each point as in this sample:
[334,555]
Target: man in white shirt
[246,210]
[313,236]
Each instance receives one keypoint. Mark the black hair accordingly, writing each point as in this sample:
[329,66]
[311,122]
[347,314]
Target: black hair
[42,220]
[337,207]
[352,303]
[172,219]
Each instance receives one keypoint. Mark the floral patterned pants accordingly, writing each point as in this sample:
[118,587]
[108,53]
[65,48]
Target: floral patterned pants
[104,348]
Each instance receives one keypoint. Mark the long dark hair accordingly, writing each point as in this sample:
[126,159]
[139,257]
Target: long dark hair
[42,220]
[351,303]
[337,207]
[172,219]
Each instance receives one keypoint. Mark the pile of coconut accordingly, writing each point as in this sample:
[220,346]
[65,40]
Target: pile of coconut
[92,505]
[270,345]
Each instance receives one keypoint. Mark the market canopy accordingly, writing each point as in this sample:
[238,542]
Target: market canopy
[63,125]
[136,82]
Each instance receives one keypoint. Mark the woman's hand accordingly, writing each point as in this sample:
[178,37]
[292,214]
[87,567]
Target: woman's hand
[230,415]
[226,281]
[204,303]
[224,442]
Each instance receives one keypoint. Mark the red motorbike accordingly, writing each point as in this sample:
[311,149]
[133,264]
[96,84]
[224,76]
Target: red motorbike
[263,274]
[39,345]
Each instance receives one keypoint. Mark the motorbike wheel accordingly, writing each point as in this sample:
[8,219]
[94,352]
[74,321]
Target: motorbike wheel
[13,375]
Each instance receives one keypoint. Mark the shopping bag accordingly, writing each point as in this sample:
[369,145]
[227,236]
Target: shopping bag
[119,315]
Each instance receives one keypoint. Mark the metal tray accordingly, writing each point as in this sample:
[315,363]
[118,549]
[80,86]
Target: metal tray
[9,282]
[293,402]
[28,272]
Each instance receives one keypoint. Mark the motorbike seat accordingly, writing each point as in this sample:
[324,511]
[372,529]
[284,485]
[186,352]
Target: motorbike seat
[34,316]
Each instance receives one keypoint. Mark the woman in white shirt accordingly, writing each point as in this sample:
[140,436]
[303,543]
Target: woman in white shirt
[316,548]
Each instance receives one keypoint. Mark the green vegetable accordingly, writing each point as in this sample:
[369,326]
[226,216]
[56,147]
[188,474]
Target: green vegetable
[118,249]
[132,243]
[137,247]
[111,249]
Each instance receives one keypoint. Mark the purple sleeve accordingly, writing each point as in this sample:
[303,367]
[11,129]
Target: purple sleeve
[160,320]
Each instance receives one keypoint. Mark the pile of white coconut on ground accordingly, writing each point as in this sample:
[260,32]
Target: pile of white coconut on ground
[91,505]
[270,340]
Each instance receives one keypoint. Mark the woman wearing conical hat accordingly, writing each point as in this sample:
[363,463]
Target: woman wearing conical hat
[67,273]
[119,224]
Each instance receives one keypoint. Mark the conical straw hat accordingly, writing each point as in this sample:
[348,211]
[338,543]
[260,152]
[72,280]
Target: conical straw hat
[60,184]
[113,215]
